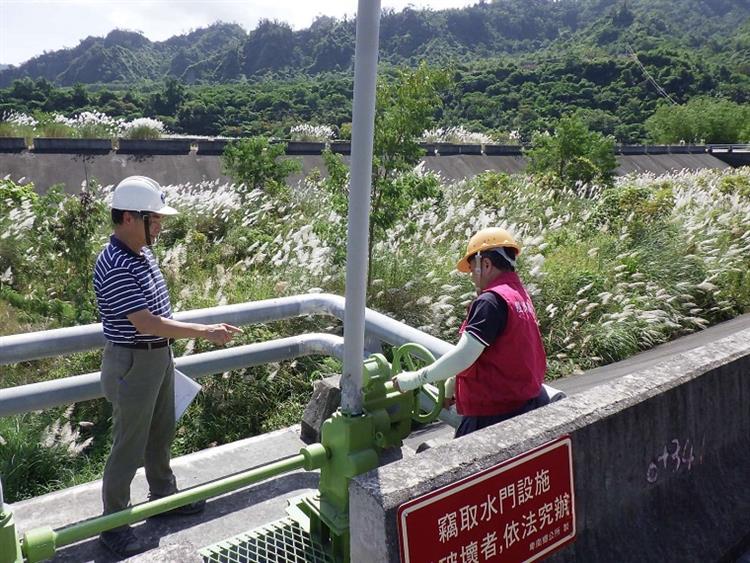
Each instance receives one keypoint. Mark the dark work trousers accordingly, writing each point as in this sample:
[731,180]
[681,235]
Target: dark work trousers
[140,386]
[470,424]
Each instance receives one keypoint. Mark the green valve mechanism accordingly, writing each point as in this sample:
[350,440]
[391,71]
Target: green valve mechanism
[354,443]
[10,548]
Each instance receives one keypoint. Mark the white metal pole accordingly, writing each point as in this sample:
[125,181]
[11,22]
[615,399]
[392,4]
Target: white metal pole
[363,125]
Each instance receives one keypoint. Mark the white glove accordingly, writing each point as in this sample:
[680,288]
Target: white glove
[464,354]
[410,380]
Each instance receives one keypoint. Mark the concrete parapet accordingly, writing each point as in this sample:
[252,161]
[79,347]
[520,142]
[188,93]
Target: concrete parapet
[341,147]
[303,147]
[153,146]
[12,144]
[658,149]
[72,146]
[213,148]
[429,148]
[511,150]
[630,149]
[733,157]
[660,460]
[470,149]
[447,149]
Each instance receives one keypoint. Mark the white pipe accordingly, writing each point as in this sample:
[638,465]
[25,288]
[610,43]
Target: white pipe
[363,125]
[69,390]
[61,341]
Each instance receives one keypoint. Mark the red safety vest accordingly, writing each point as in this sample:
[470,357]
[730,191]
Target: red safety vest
[510,371]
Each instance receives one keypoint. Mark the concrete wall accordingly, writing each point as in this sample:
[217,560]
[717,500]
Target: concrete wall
[45,170]
[73,162]
[626,508]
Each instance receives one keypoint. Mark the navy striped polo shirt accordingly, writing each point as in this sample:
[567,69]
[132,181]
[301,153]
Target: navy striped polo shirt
[126,282]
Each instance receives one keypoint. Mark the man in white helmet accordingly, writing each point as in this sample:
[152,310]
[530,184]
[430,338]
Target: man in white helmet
[496,371]
[137,365]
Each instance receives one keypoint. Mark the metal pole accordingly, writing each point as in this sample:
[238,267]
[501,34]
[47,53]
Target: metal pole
[41,543]
[363,125]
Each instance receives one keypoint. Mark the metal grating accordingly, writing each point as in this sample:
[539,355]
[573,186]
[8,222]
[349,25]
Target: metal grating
[283,541]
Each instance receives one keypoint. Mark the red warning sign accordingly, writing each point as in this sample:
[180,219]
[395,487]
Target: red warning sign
[519,510]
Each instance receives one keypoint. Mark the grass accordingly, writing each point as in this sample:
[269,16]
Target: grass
[612,271]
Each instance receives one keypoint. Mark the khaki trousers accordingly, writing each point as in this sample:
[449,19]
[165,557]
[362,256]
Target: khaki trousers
[140,386]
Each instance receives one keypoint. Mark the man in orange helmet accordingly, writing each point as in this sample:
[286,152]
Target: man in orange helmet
[496,371]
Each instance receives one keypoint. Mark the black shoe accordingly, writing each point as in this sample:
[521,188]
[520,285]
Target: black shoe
[423,447]
[185,510]
[122,542]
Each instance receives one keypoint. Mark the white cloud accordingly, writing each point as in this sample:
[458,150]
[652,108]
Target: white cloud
[29,27]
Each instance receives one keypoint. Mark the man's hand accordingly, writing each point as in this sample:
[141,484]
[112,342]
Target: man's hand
[220,333]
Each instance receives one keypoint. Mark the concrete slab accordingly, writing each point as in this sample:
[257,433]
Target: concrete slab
[224,516]
[179,539]
[607,374]
[45,170]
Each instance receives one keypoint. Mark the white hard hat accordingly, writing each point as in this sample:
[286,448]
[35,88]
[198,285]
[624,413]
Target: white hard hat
[139,193]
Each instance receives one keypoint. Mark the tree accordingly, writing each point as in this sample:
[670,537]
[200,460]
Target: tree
[701,120]
[169,99]
[80,97]
[405,106]
[255,163]
[573,153]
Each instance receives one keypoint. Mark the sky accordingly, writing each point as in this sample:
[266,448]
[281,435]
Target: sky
[30,27]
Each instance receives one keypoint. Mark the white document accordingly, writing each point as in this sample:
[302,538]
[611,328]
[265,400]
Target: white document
[185,390]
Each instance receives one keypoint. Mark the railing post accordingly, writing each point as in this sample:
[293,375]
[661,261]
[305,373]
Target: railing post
[10,548]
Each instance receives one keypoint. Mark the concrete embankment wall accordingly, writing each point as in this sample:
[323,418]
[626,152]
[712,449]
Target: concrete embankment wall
[634,501]
[75,164]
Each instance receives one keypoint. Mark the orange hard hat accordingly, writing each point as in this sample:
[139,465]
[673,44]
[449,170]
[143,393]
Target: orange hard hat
[487,239]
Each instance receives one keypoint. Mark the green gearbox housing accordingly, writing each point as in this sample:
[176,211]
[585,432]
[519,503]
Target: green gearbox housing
[353,443]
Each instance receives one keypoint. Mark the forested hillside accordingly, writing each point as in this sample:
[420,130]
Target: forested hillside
[517,65]
[224,52]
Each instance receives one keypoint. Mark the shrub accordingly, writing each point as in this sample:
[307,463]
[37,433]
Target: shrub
[256,164]
[573,153]
[307,132]
[142,128]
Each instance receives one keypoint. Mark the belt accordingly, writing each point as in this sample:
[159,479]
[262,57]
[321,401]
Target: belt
[145,345]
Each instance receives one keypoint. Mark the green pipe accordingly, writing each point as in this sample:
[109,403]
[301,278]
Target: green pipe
[41,543]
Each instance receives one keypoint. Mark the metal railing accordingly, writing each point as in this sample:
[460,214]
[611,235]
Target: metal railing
[61,341]
[68,390]
[41,543]
[46,394]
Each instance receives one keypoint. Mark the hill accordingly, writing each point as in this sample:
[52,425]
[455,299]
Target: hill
[517,65]
[127,57]
[718,29]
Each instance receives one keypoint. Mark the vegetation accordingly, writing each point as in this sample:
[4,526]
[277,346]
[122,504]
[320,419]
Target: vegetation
[628,266]
[256,164]
[573,154]
[519,66]
[85,125]
[224,52]
[615,265]
[494,97]
[701,120]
